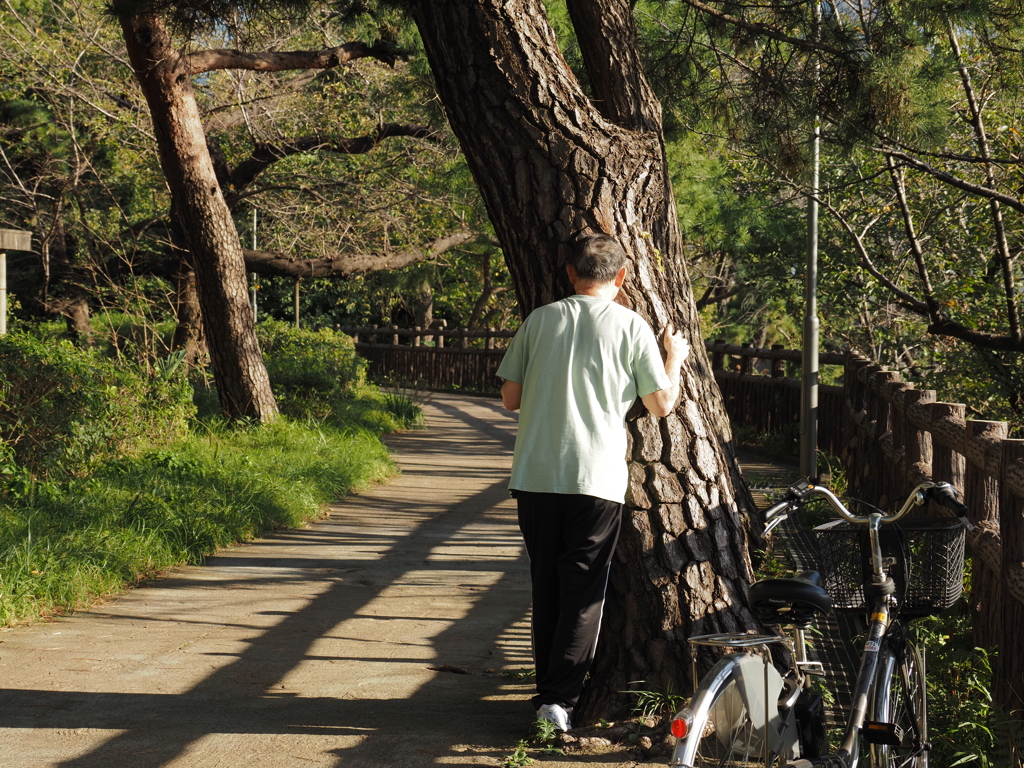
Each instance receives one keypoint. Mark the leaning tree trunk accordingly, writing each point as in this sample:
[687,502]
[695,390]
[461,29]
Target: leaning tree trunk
[204,218]
[549,164]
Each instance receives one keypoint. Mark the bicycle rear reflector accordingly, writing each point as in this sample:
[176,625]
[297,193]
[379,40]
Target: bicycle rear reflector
[889,734]
[681,724]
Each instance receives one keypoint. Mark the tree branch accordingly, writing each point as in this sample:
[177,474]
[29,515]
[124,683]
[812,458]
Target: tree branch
[954,181]
[607,36]
[279,61]
[982,339]
[865,258]
[766,31]
[913,240]
[265,155]
[1003,257]
[345,265]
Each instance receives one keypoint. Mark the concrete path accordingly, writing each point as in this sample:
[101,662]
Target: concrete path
[378,637]
[375,638]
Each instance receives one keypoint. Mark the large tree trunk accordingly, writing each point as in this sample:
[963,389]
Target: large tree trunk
[204,218]
[549,164]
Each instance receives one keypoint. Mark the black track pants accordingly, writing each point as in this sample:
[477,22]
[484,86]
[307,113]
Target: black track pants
[570,540]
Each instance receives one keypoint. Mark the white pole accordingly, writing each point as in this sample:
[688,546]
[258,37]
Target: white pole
[252,276]
[809,362]
[3,293]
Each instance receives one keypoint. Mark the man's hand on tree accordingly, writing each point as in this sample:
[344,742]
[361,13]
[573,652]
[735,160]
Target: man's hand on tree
[677,348]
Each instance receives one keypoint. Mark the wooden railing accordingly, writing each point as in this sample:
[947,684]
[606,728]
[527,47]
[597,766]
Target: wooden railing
[760,396]
[434,358]
[898,436]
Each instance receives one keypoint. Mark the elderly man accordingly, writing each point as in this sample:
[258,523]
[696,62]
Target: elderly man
[573,370]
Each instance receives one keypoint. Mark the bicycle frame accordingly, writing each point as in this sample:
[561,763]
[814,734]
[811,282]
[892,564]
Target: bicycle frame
[775,719]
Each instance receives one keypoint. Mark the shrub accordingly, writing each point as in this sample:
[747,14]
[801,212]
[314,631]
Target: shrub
[309,369]
[63,409]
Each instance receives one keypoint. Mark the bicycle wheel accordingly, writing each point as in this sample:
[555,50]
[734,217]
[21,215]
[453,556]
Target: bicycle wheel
[900,697]
[726,719]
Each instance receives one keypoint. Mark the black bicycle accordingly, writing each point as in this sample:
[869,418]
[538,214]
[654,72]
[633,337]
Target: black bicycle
[750,711]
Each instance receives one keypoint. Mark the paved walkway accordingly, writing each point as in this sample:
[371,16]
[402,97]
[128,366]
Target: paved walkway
[378,637]
[342,644]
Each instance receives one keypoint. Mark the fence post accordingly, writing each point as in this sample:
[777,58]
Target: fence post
[373,334]
[778,365]
[853,397]
[981,495]
[947,464]
[895,487]
[490,337]
[918,464]
[874,469]
[1008,675]
[394,336]
[746,361]
[416,338]
[717,356]
[464,342]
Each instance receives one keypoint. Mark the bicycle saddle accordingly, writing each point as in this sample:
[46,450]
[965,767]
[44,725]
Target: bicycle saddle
[790,601]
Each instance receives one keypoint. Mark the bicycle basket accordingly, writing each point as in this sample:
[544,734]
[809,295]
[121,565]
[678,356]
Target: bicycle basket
[928,565]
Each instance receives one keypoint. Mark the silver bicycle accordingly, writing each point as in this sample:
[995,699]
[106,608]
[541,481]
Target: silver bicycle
[749,711]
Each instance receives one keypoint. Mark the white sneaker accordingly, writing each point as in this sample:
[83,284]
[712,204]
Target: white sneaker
[556,714]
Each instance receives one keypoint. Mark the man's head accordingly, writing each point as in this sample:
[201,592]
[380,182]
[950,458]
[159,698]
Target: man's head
[597,258]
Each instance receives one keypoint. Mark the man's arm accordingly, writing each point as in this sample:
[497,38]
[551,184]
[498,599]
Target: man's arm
[512,394]
[663,401]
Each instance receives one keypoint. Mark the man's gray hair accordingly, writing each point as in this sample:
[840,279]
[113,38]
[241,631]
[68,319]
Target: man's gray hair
[597,258]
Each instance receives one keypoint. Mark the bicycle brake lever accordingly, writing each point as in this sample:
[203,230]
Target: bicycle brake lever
[947,496]
[774,522]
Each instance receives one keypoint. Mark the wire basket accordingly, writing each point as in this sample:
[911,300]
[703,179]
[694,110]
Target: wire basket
[924,557]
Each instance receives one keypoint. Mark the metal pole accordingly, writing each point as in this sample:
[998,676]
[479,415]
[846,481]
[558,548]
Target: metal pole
[809,379]
[3,293]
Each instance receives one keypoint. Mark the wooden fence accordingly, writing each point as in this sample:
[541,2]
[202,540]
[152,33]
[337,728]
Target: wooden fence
[434,358]
[897,436]
[889,435]
[759,395]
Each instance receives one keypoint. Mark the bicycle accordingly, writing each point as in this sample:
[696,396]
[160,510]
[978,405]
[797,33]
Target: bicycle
[751,711]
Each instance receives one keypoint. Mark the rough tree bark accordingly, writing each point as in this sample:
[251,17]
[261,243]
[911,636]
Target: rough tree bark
[550,163]
[164,74]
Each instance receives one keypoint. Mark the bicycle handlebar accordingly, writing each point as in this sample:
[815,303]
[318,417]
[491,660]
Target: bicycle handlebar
[943,493]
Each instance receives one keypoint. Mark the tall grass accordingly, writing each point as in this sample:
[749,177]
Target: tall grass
[64,543]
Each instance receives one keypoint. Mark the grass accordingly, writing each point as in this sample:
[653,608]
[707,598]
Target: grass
[65,543]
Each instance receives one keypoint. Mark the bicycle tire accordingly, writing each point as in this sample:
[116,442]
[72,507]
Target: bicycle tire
[900,697]
[723,734]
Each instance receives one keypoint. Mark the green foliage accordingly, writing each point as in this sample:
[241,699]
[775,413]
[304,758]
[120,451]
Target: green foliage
[308,364]
[64,409]
[544,730]
[654,703]
[69,542]
[739,106]
[318,375]
[965,727]
[519,757]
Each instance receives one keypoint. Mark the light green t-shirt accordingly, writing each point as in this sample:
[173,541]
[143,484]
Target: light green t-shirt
[582,362]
